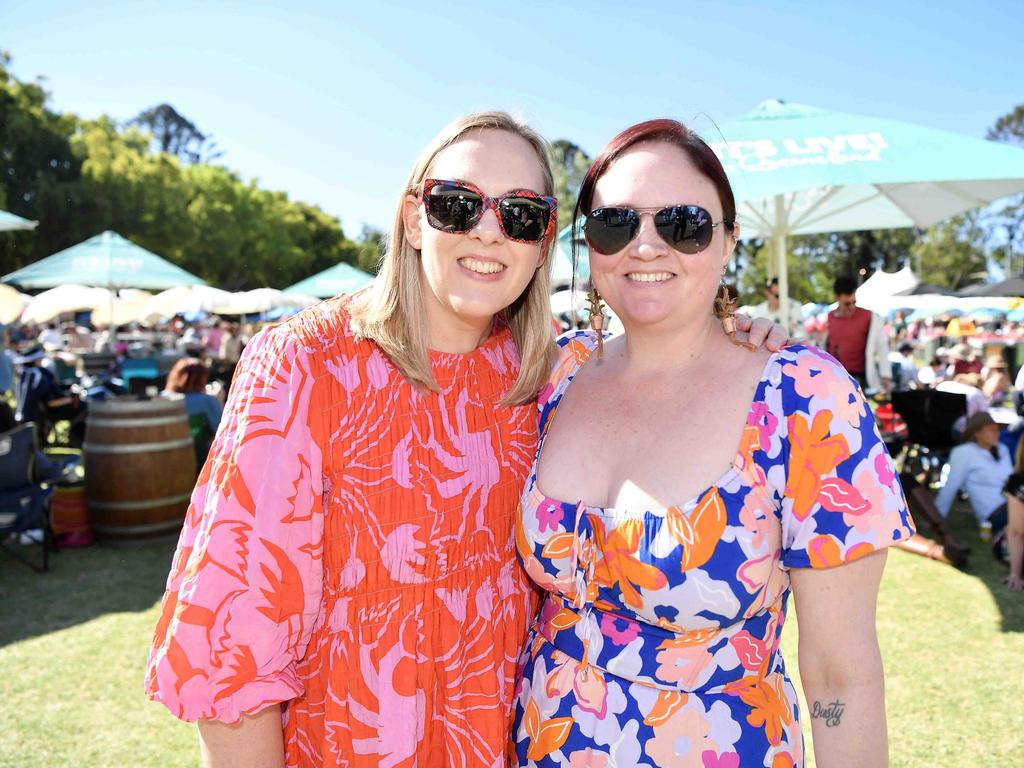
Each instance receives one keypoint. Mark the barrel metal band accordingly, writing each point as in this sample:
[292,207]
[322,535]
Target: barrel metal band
[166,445]
[155,421]
[127,506]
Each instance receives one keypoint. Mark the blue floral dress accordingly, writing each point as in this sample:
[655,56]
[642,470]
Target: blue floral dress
[658,641]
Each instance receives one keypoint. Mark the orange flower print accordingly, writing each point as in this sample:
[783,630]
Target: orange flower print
[769,708]
[813,455]
[545,736]
[618,564]
[698,533]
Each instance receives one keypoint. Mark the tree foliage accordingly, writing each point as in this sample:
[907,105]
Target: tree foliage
[174,134]
[79,177]
[569,165]
[1008,218]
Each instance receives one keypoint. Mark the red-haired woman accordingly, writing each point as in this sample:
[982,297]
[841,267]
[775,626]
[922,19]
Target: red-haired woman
[188,377]
[684,486]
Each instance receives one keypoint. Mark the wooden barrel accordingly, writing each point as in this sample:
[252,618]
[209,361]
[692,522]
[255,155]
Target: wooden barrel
[70,515]
[139,467]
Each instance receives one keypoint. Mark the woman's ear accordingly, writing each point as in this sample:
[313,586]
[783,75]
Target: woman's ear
[412,217]
[732,238]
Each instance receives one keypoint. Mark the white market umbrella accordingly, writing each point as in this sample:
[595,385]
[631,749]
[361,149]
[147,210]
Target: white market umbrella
[799,170]
[12,304]
[263,300]
[63,299]
[186,300]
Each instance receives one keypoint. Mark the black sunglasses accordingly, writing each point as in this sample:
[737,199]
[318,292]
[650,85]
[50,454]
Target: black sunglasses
[457,206]
[687,228]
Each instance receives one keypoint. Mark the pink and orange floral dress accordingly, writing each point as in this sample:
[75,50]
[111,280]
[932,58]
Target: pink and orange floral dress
[349,551]
[658,640]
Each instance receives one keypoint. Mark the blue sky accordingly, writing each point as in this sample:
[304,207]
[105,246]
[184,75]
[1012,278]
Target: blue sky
[332,101]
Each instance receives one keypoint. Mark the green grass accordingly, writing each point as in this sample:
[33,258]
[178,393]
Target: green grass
[73,646]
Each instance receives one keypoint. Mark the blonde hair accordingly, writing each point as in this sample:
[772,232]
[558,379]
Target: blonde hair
[390,312]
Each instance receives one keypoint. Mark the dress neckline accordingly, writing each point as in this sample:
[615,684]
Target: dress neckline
[733,470]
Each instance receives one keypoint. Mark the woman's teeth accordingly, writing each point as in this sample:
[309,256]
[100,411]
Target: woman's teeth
[649,277]
[483,267]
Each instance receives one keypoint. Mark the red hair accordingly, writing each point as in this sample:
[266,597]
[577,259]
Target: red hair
[188,375]
[669,132]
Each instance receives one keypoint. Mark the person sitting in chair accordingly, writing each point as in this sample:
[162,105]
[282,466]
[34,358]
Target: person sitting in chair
[981,465]
[37,392]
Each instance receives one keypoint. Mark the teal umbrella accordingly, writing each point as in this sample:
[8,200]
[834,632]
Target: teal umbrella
[9,222]
[561,269]
[801,170]
[107,261]
[341,278]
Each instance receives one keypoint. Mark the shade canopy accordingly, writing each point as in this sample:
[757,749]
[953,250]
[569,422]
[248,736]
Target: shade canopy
[106,260]
[10,223]
[1013,286]
[797,169]
[341,278]
[261,300]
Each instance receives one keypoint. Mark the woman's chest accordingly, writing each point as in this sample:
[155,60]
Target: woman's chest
[703,564]
[648,449]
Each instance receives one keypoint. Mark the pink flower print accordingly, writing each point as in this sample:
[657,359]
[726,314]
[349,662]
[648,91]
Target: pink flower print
[760,416]
[610,629]
[850,405]
[811,377]
[883,468]
[587,758]
[545,394]
[875,498]
[549,516]
[725,760]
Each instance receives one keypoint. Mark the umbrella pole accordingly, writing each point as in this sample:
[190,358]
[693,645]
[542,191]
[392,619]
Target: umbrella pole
[781,223]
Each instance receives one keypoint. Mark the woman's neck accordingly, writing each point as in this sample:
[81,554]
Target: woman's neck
[650,350]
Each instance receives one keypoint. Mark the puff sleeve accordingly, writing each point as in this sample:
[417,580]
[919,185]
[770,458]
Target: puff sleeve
[245,587]
[838,493]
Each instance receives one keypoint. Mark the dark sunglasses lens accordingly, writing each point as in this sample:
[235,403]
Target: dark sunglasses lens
[452,208]
[687,228]
[609,230]
[524,218]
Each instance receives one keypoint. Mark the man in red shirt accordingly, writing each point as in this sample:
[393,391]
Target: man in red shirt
[856,338]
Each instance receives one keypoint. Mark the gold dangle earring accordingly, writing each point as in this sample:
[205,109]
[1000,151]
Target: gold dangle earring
[725,310]
[597,319]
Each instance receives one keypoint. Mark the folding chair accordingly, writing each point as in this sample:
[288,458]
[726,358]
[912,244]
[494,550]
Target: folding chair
[24,503]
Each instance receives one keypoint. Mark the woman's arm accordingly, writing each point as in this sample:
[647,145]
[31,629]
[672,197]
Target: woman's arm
[840,664]
[1015,541]
[256,741]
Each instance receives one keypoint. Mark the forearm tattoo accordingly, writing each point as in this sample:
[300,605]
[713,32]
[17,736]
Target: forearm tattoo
[831,713]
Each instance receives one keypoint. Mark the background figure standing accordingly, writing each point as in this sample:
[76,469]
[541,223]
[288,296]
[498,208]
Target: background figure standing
[771,309]
[856,338]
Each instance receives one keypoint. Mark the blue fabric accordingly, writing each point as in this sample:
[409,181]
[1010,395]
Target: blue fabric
[207,405]
[6,371]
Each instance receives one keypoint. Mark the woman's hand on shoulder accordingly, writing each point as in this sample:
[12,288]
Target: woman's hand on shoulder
[762,332]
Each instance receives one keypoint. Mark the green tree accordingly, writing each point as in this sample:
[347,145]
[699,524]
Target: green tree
[952,253]
[39,171]
[174,134]
[1008,218]
[569,164]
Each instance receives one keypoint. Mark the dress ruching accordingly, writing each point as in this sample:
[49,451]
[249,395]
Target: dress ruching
[348,551]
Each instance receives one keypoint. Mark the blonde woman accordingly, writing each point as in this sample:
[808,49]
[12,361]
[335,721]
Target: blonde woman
[348,551]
